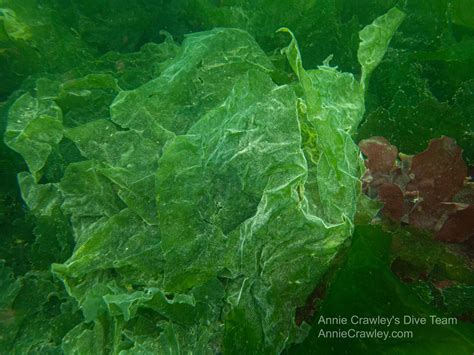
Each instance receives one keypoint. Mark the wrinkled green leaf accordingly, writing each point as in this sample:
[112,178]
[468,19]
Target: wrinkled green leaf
[88,195]
[34,128]
[199,79]
[128,159]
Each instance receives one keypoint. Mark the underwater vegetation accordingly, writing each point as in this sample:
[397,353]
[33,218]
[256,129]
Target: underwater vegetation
[219,177]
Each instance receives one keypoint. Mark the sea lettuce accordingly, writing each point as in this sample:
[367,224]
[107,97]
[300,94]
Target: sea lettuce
[204,204]
[34,127]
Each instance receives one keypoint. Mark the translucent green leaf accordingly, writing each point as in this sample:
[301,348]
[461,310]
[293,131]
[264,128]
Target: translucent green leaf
[84,340]
[34,128]
[127,158]
[88,195]
[199,79]
[87,98]
[375,39]
[180,308]
[124,239]
[14,28]
[333,110]
[42,199]
[216,175]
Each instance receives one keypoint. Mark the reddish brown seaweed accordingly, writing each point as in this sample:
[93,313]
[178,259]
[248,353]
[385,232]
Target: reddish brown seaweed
[429,190]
